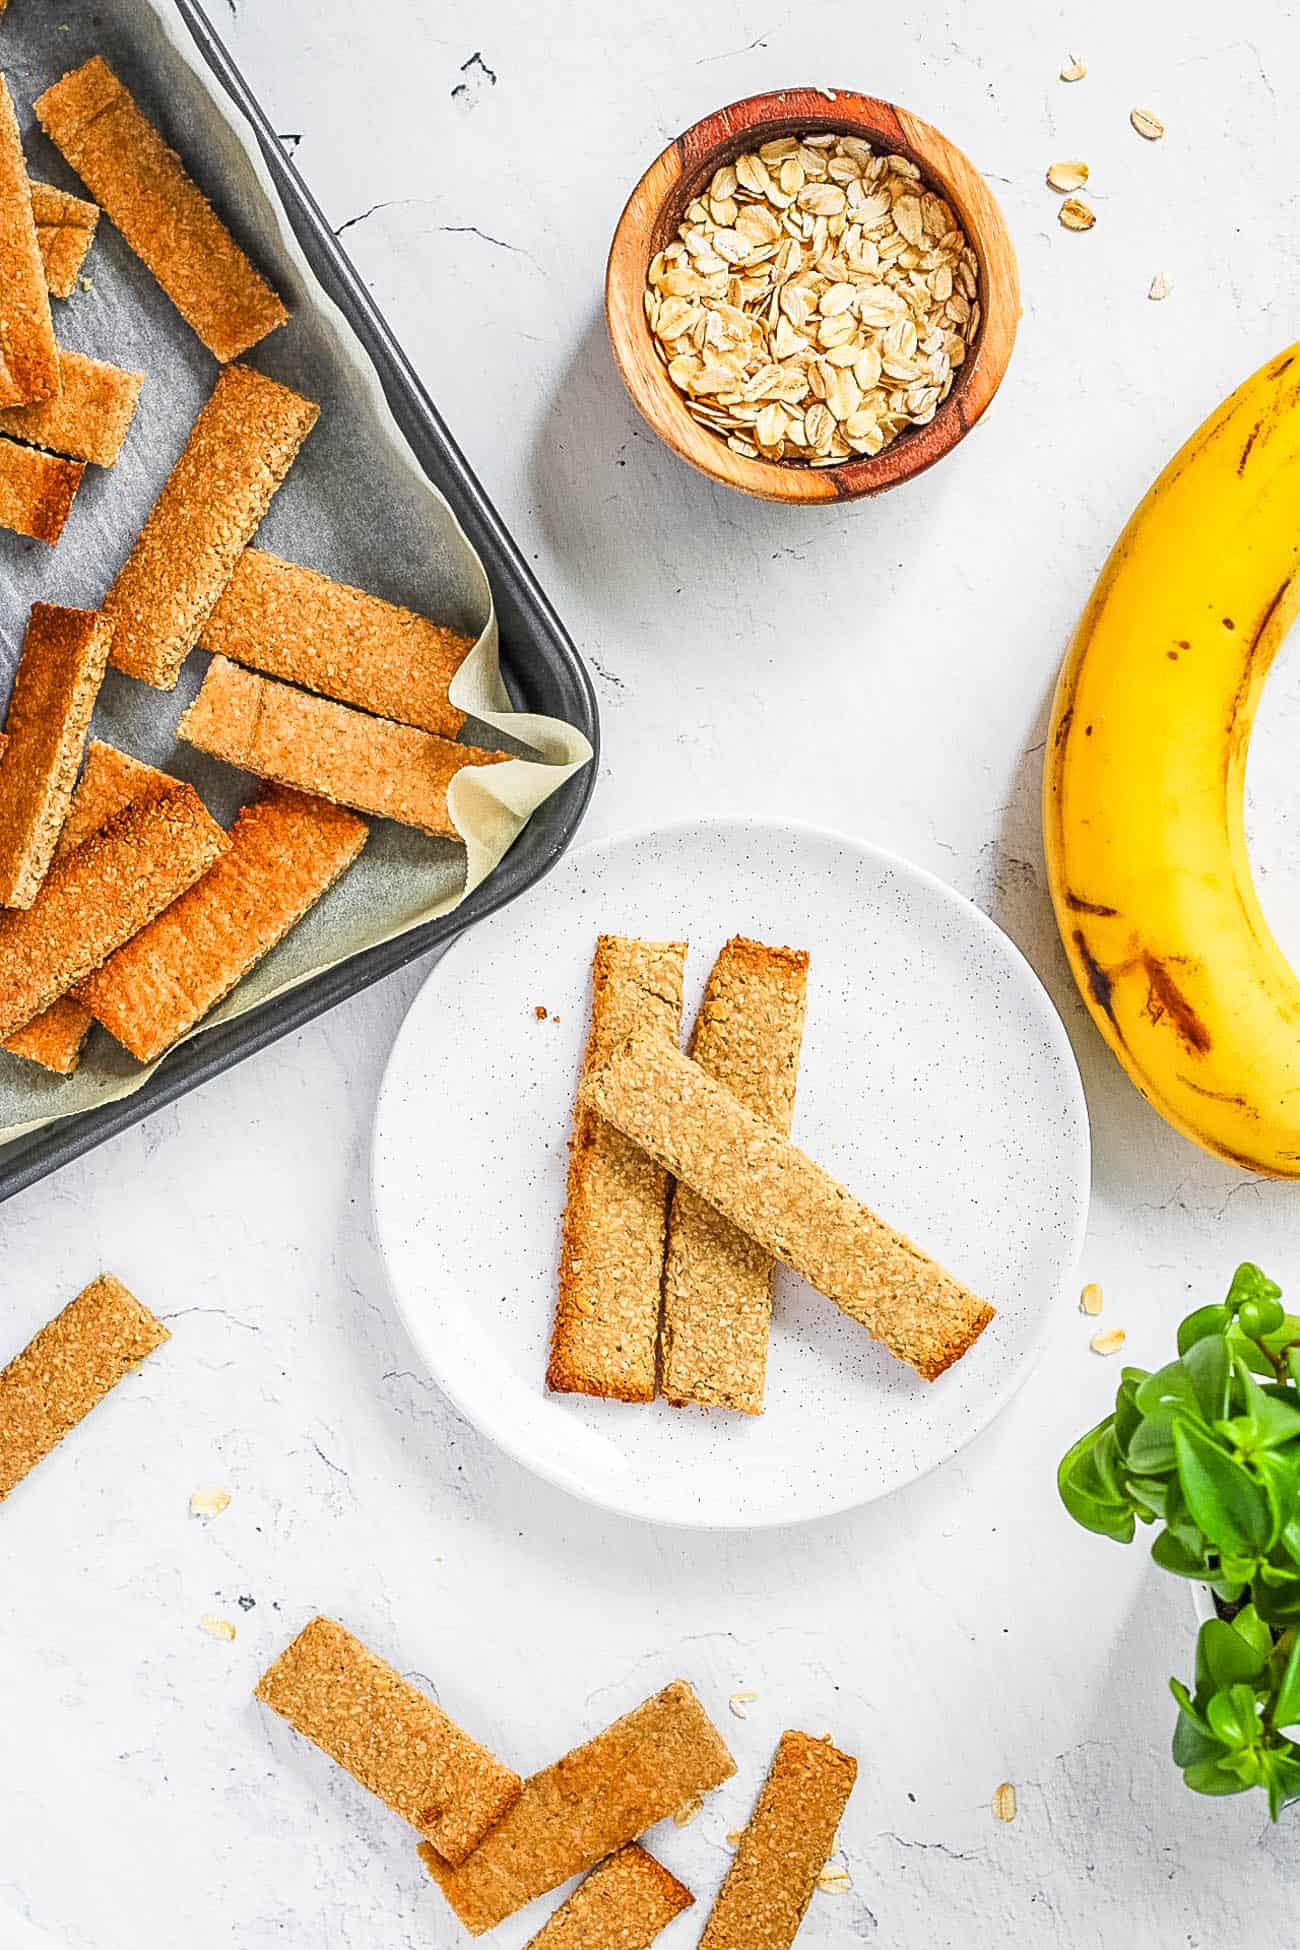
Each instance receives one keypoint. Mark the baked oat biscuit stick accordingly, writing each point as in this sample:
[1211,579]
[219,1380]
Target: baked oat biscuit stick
[64,656]
[239,450]
[391,770]
[88,418]
[286,850]
[717,1282]
[389,1736]
[36,491]
[787,1204]
[295,623]
[576,1812]
[109,780]
[612,1255]
[784,1849]
[72,1364]
[29,359]
[623,1905]
[145,189]
[65,230]
[100,895]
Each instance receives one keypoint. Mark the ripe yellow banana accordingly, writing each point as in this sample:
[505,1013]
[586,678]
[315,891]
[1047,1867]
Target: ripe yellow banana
[1143,783]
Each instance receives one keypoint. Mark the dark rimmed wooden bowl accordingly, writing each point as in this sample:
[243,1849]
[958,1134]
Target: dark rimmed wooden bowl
[655,209]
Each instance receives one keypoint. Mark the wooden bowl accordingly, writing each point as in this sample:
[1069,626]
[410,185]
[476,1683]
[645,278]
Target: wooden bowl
[649,223]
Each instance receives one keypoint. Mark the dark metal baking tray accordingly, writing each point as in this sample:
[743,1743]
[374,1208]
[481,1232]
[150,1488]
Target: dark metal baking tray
[541,667]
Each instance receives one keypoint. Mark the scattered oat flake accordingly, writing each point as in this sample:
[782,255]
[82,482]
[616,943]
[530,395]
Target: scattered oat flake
[1161,285]
[1090,1299]
[1004,1802]
[686,1815]
[218,1628]
[1147,124]
[739,1701]
[1108,1343]
[834,1881]
[1074,69]
[1067,176]
[209,1502]
[1076,215]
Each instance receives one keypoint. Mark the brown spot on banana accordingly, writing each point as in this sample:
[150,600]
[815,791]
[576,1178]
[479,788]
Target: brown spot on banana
[1165,998]
[1078,905]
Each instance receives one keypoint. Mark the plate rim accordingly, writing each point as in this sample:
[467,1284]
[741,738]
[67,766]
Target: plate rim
[1081,1180]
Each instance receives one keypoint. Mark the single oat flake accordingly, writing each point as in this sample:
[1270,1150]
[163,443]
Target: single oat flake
[209,1503]
[1090,1299]
[1067,176]
[1161,286]
[1108,1343]
[1147,124]
[1074,69]
[739,1701]
[218,1628]
[1075,214]
[834,1881]
[1004,1802]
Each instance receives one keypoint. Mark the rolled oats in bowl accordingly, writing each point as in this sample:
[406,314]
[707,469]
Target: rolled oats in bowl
[817,300]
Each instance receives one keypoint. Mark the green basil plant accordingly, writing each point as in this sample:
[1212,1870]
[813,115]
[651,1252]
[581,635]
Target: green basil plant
[1208,1449]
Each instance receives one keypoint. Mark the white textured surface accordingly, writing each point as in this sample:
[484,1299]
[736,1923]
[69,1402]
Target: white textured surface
[883,669]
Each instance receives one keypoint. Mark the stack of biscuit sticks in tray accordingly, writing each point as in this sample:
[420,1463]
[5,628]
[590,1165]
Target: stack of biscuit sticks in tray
[684,1191]
[122,900]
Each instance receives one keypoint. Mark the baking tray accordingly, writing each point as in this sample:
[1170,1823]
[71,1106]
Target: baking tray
[539,664]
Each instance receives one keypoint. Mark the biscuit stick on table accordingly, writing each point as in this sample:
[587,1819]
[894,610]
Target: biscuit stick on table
[65,230]
[286,850]
[576,1812]
[391,770]
[612,1255]
[144,188]
[239,450]
[109,780]
[64,656]
[87,419]
[390,1736]
[787,1204]
[784,1849]
[36,491]
[622,1905]
[101,894]
[29,359]
[72,1364]
[717,1282]
[295,623]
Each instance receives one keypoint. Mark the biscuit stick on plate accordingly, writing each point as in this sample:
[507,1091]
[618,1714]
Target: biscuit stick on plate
[787,1204]
[239,450]
[70,1366]
[29,359]
[622,1905]
[88,418]
[36,491]
[575,1813]
[64,656]
[784,1849]
[390,1736]
[65,230]
[168,222]
[612,1253]
[295,623]
[717,1282]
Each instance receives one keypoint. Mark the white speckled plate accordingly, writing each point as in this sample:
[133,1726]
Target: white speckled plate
[937,1082]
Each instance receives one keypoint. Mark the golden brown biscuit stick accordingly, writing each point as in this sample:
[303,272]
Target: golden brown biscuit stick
[717,1282]
[64,656]
[100,895]
[168,222]
[784,1849]
[391,770]
[791,1207]
[65,230]
[606,1327]
[72,1364]
[286,850]
[390,1736]
[87,419]
[576,1812]
[297,624]
[239,450]
[36,491]
[29,360]
[109,780]
[622,1905]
